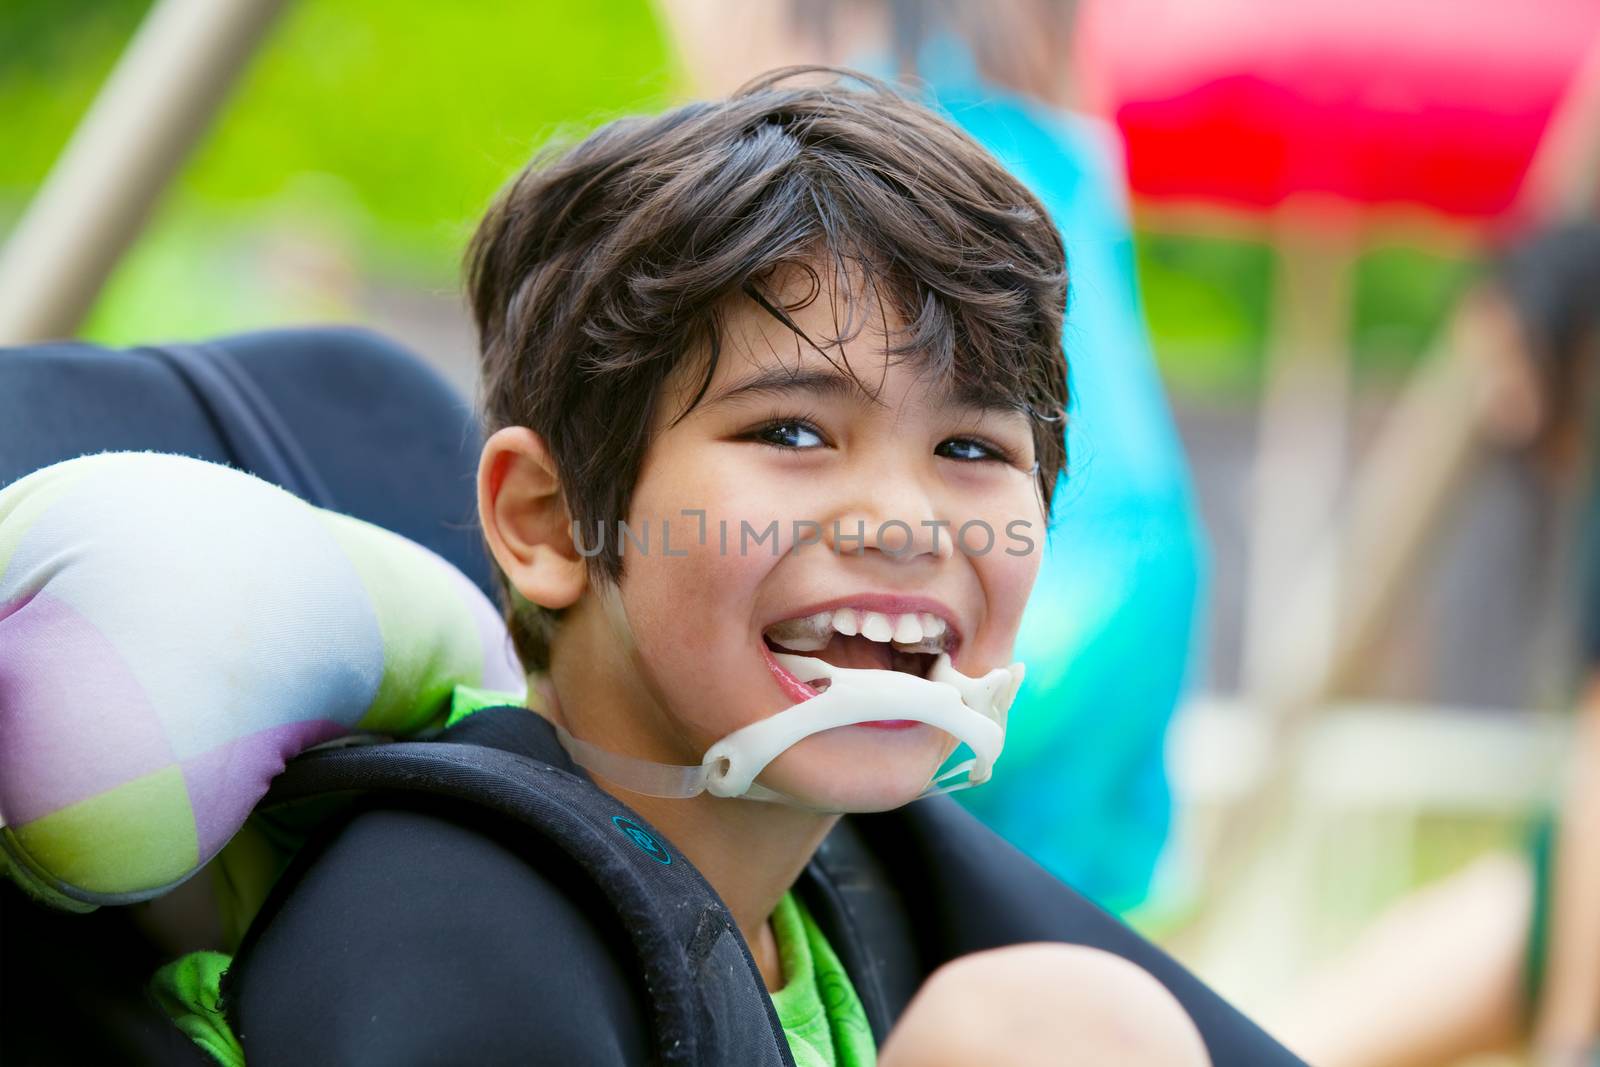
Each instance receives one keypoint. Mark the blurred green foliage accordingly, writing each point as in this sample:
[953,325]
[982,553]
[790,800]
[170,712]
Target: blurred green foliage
[367,137]
[1402,296]
[1209,302]
[383,126]
[53,54]
[419,111]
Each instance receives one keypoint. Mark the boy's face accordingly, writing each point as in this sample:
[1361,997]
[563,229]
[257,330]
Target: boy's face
[784,436]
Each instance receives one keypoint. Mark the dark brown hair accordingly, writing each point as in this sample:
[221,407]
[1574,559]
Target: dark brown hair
[604,267]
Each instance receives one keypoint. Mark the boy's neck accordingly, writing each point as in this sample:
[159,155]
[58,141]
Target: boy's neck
[751,852]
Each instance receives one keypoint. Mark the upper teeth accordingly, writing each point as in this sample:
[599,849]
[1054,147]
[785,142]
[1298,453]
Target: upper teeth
[909,632]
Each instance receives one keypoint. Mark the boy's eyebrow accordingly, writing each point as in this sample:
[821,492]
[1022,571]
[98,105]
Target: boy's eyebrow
[779,381]
[983,397]
[775,381]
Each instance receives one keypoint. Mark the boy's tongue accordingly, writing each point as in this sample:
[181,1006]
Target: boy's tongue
[856,652]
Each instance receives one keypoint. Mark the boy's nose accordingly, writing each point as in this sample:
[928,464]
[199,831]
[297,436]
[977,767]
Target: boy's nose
[900,524]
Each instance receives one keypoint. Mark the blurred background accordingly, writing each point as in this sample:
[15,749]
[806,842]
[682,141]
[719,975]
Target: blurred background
[1350,237]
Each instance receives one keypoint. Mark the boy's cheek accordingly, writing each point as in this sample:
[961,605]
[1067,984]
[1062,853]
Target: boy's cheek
[720,509]
[1008,581]
[690,615]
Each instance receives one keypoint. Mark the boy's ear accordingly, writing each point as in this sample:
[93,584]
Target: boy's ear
[525,519]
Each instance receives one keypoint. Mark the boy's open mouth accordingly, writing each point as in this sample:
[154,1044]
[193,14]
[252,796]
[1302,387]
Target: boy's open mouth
[855,637]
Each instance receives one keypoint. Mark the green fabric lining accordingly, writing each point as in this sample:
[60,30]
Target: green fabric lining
[466,699]
[817,1007]
[188,990]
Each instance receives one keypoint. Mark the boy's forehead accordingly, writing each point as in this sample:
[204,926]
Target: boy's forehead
[800,310]
[860,370]
[852,373]
[803,339]
[825,344]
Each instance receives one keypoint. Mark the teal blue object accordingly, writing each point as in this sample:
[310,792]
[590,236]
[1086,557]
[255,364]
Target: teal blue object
[643,838]
[1114,622]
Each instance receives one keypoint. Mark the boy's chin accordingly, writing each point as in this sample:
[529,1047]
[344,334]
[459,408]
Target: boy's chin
[858,769]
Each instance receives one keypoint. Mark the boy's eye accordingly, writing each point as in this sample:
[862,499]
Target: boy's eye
[789,433]
[969,450]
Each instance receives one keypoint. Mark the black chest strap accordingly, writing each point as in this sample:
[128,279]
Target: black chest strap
[704,987]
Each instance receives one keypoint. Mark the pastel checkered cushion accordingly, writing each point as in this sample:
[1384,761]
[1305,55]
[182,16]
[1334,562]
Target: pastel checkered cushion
[171,631]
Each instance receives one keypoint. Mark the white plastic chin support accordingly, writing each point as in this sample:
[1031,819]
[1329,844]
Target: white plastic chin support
[973,710]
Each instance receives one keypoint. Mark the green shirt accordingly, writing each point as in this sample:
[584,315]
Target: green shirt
[817,1006]
[188,989]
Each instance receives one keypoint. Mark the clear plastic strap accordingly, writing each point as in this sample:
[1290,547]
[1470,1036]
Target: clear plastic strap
[937,786]
[964,766]
[965,783]
[757,791]
[668,780]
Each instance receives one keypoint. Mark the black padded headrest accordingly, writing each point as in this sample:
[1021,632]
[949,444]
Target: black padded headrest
[343,417]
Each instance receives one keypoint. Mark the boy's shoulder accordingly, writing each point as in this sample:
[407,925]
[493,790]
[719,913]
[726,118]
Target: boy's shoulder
[416,929]
[492,903]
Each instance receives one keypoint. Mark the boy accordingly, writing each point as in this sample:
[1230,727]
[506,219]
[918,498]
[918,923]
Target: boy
[769,381]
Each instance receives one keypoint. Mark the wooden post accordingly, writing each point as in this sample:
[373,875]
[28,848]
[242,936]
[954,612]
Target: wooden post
[147,117]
